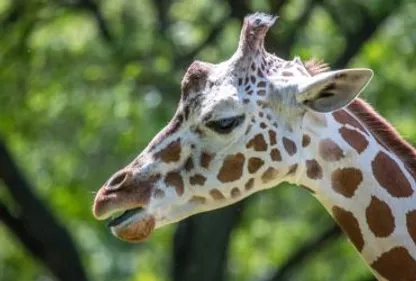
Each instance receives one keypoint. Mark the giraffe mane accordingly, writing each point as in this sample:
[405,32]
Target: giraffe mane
[384,133]
[315,66]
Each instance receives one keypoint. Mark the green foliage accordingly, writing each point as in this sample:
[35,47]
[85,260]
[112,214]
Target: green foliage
[75,107]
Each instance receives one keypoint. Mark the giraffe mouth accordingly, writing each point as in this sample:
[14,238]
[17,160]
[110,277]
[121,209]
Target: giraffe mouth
[117,219]
[132,225]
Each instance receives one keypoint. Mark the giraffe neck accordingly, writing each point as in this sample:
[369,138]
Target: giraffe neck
[367,186]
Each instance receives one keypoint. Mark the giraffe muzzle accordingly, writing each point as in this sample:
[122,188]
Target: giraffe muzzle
[123,201]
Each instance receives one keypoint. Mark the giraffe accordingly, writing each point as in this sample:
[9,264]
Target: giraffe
[256,120]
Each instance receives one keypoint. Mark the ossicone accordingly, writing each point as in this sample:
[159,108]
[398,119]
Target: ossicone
[253,32]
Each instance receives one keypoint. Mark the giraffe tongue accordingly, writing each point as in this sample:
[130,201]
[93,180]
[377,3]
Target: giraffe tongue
[123,217]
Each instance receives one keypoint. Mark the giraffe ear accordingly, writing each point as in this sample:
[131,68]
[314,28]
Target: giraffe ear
[332,90]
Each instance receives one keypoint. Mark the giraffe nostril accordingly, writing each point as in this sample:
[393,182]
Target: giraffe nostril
[118,180]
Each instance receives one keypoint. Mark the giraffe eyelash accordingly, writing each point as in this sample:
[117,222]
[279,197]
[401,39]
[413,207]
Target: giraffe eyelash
[225,125]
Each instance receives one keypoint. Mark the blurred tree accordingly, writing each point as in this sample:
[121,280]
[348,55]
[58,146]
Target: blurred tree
[87,83]
[35,226]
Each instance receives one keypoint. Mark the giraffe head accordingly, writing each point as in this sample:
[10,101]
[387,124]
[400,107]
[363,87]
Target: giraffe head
[237,130]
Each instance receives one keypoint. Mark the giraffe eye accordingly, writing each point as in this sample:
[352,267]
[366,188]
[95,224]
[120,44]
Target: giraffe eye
[225,125]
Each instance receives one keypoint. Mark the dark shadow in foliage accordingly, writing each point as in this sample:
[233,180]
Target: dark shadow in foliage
[201,245]
[35,227]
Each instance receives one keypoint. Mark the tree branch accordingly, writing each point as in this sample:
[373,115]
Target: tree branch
[283,45]
[201,244]
[17,228]
[35,227]
[93,8]
[212,36]
[298,25]
[15,12]
[305,251]
[162,8]
[357,38]
[276,6]
[239,9]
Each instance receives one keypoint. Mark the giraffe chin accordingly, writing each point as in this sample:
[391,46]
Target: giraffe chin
[136,228]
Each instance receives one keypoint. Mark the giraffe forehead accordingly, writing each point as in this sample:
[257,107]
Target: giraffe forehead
[204,78]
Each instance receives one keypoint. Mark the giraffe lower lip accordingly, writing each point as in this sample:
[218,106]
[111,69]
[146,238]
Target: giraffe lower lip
[123,217]
[135,226]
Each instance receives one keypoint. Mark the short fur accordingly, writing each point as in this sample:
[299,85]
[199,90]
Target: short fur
[385,133]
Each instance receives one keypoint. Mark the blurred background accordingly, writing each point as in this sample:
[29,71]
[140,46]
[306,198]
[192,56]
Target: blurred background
[85,85]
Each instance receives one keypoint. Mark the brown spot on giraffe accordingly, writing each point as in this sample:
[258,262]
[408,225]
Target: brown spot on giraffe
[249,184]
[396,264]
[349,224]
[261,84]
[262,103]
[169,130]
[205,159]
[171,153]
[197,179]
[290,146]
[189,164]
[175,179]
[343,117]
[257,143]
[235,192]
[345,181]
[269,175]
[330,151]
[306,140]
[216,194]
[275,155]
[198,199]
[354,139]
[232,168]
[313,169]
[254,164]
[197,130]
[389,175]
[411,224]
[159,193]
[379,218]
[272,137]
[240,81]
[292,169]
